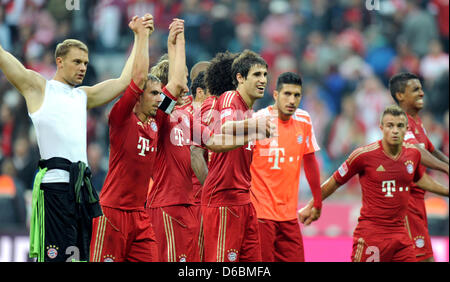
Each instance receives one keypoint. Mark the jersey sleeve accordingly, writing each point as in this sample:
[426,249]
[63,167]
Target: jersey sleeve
[420,169]
[353,165]
[410,138]
[311,141]
[228,110]
[429,145]
[162,118]
[123,108]
[210,115]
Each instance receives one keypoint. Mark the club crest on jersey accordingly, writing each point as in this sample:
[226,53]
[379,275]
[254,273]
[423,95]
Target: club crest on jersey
[153,126]
[109,258]
[300,139]
[182,258]
[52,251]
[232,255]
[409,167]
[419,241]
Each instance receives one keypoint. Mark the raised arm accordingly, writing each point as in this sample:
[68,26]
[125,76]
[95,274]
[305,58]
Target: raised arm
[177,59]
[108,90]
[429,184]
[141,61]
[122,109]
[29,83]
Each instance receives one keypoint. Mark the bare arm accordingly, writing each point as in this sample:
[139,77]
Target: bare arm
[432,161]
[441,156]
[141,60]
[260,127]
[108,90]
[29,83]
[177,59]
[221,143]
[429,184]
[198,163]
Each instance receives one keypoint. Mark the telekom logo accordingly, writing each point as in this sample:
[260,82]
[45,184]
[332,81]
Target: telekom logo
[389,187]
[143,145]
[277,157]
[178,136]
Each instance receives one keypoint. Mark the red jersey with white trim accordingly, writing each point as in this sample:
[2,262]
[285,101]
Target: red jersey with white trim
[205,115]
[209,112]
[228,180]
[416,134]
[385,181]
[132,154]
[172,177]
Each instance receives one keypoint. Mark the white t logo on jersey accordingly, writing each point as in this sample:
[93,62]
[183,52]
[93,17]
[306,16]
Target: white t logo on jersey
[249,146]
[178,137]
[389,188]
[143,145]
[276,152]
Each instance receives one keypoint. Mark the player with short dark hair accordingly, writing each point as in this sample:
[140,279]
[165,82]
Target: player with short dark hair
[229,218]
[275,173]
[170,201]
[406,90]
[386,169]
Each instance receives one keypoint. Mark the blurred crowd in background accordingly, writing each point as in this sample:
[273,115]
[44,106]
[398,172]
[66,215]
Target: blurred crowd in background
[344,52]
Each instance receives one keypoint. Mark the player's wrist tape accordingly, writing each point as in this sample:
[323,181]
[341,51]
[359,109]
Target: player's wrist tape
[167,104]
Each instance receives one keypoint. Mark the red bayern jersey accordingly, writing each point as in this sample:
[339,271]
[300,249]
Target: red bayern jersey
[385,181]
[416,134]
[209,112]
[207,115]
[172,177]
[228,180]
[132,154]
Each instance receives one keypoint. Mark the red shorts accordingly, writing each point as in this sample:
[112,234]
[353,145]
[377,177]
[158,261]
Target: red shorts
[371,243]
[198,212]
[281,241]
[177,230]
[417,225]
[121,235]
[231,233]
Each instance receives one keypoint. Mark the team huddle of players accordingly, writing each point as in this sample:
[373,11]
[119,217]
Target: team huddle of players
[204,178]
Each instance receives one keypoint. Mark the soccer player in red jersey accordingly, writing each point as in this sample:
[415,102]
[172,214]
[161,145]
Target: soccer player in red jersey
[208,86]
[124,232]
[170,202]
[217,79]
[229,219]
[406,90]
[198,90]
[275,173]
[386,169]
[198,162]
